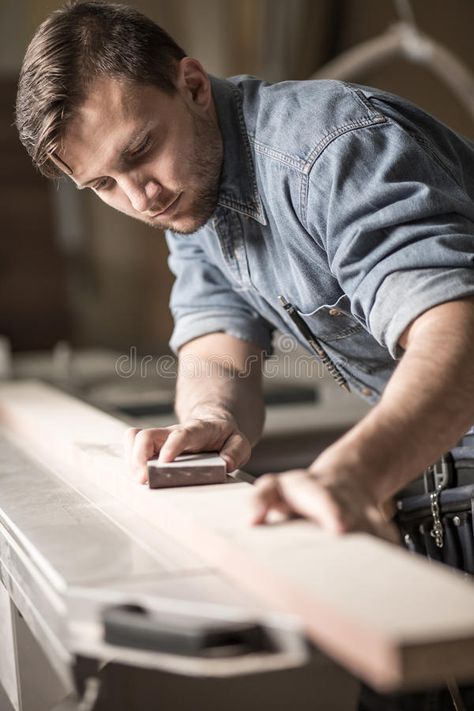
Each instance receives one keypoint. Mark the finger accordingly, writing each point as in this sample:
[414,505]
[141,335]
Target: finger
[266,498]
[178,441]
[146,444]
[382,528]
[128,441]
[306,497]
[235,452]
[199,437]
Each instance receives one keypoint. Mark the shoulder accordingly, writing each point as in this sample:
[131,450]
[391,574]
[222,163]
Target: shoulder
[297,119]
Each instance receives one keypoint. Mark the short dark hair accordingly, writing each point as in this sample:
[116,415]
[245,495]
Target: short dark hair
[75,45]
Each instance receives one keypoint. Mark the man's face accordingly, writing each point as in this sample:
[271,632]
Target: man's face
[150,155]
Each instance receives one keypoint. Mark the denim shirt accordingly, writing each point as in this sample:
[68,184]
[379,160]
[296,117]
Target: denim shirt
[353,204]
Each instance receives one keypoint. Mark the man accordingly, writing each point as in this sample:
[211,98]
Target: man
[352,205]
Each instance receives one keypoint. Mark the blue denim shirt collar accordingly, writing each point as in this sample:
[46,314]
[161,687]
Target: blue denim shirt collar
[238,186]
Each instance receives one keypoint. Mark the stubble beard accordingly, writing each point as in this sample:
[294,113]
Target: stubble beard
[205,170]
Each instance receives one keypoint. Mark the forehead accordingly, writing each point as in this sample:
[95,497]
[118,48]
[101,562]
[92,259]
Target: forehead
[112,111]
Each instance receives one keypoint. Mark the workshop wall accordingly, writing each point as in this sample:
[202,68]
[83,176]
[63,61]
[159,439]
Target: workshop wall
[107,276]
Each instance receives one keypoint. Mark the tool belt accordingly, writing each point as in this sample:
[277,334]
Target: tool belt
[435,512]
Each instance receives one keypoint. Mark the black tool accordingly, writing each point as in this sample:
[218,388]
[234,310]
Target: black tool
[132,626]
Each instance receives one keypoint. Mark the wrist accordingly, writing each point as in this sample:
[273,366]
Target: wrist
[333,466]
[373,454]
[355,460]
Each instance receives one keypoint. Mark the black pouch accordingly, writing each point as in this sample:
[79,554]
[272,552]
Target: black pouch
[439,525]
[463,461]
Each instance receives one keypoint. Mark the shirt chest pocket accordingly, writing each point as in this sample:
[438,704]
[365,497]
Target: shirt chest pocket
[332,322]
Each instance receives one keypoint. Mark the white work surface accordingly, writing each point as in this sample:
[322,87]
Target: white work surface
[369,604]
[69,547]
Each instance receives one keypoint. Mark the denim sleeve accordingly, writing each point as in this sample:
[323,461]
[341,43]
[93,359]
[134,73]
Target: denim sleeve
[397,226]
[203,300]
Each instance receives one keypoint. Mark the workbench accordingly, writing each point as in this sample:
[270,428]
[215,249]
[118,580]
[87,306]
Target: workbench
[131,597]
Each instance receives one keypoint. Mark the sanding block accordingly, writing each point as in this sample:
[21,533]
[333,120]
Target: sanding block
[187,470]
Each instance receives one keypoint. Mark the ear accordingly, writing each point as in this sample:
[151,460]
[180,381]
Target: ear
[193,83]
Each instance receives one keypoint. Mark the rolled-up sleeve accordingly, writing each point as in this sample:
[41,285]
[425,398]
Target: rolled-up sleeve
[397,226]
[204,301]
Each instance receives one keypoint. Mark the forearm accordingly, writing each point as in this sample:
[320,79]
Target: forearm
[220,376]
[426,407]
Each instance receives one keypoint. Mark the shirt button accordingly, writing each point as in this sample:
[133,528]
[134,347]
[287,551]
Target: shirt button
[335,312]
[366,391]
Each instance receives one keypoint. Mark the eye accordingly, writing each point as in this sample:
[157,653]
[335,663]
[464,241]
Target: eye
[141,148]
[103,184]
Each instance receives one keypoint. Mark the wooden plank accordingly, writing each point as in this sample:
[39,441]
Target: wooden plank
[393,619]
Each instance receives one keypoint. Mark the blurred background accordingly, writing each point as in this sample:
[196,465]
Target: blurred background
[77,277]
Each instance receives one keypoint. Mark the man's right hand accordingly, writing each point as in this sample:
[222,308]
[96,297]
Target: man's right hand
[210,434]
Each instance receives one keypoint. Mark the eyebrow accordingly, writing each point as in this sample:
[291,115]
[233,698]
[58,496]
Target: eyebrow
[135,139]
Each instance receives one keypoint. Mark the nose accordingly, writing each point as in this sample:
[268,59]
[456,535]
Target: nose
[141,194]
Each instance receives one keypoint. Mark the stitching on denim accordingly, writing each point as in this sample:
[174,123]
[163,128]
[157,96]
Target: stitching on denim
[284,158]
[248,150]
[316,153]
[225,244]
[429,149]
[251,210]
[365,101]
[304,200]
[329,137]
[231,240]
[240,251]
[346,332]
